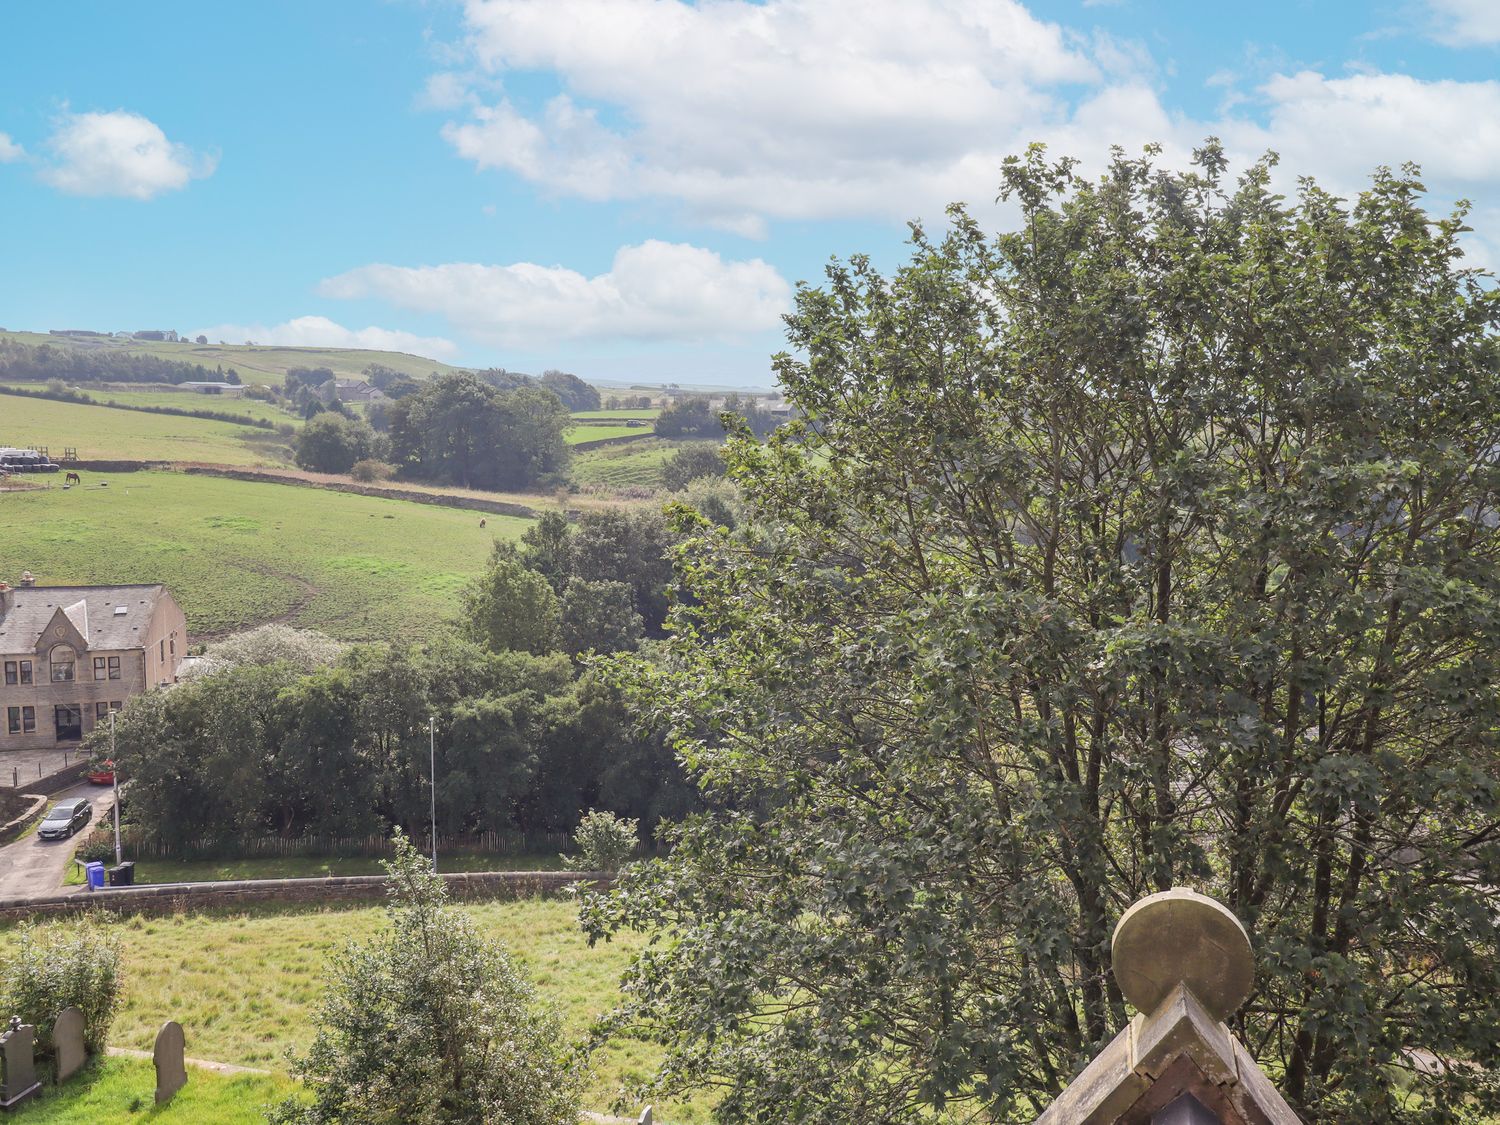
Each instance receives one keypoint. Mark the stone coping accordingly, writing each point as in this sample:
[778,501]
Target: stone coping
[154,898]
[13,827]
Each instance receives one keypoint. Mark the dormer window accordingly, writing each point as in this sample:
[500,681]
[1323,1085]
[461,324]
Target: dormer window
[62,659]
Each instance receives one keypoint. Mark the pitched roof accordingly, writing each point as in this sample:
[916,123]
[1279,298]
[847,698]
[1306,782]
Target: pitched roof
[91,609]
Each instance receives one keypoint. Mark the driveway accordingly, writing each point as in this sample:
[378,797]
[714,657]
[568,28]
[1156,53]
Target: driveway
[33,866]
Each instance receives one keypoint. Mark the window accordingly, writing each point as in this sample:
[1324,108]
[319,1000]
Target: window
[69,720]
[61,658]
[106,667]
[116,705]
[26,671]
[13,720]
[102,710]
[28,720]
[99,672]
[12,672]
[172,645]
[162,651]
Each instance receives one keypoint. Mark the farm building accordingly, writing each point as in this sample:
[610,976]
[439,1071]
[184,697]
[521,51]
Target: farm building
[72,654]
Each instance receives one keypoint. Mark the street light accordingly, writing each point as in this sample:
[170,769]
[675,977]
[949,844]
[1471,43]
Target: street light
[114,777]
[432,758]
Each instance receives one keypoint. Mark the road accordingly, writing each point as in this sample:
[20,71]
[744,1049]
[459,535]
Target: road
[32,866]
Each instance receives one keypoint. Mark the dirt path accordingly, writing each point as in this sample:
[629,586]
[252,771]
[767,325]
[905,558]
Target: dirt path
[33,866]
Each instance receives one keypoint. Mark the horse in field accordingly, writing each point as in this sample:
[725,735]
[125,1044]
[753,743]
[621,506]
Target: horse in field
[72,478]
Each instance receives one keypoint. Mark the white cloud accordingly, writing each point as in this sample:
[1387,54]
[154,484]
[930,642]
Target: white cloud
[9,149]
[1340,129]
[119,153]
[1465,23]
[320,332]
[654,291]
[798,108]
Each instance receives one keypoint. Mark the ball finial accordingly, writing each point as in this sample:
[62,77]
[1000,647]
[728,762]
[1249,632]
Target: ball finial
[1182,937]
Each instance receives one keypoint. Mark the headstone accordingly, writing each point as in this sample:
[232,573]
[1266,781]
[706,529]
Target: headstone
[16,1058]
[645,1117]
[67,1040]
[171,1070]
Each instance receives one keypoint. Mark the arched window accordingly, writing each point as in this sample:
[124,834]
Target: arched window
[61,658]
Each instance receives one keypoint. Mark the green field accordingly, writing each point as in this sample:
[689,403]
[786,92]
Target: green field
[99,433]
[237,553]
[243,983]
[255,364]
[577,435]
[646,415]
[177,400]
[636,463]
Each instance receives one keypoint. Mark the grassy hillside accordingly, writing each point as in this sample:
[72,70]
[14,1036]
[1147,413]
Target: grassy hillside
[629,464]
[243,984]
[255,364]
[237,553]
[99,433]
[589,432]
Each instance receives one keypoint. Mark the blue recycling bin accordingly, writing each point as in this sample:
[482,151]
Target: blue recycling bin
[95,871]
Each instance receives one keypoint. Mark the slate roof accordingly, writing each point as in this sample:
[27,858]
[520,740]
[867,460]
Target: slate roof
[90,608]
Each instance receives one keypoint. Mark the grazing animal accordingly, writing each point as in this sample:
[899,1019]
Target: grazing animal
[483,521]
[72,478]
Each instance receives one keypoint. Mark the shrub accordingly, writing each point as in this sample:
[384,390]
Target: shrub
[48,968]
[99,844]
[604,842]
[701,459]
[371,470]
[429,1023]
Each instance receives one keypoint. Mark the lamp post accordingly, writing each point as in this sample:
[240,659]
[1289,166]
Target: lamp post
[432,761]
[114,777]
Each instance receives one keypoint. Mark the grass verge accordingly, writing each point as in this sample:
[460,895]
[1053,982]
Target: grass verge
[317,867]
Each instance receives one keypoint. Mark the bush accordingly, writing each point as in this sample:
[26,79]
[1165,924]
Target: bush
[370,470]
[429,1023]
[604,842]
[701,459]
[99,844]
[48,968]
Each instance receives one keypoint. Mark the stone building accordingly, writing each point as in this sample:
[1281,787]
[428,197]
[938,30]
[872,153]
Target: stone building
[71,654]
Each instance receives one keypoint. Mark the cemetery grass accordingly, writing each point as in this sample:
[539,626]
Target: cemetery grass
[122,1090]
[244,983]
[236,554]
[99,433]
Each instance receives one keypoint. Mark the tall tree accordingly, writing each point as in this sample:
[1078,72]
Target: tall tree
[1155,542]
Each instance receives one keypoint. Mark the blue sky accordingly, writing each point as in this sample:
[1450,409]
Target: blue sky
[630,189]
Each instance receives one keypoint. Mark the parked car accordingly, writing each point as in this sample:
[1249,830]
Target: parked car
[66,818]
[103,775]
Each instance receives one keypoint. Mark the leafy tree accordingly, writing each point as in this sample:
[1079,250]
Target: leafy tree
[547,547]
[598,617]
[691,417]
[572,391]
[331,443]
[512,608]
[691,462]
[430,1023]
[202,340]
[615,545]
[605,842]
[1155,542]
[304,649]
[459,429]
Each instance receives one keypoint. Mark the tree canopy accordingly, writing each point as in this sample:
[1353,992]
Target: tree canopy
[1154,542]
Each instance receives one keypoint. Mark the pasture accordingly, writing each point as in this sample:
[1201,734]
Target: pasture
[629,464]
[237,554]
[646,415]
[243,983]
[591,432]
[99,433]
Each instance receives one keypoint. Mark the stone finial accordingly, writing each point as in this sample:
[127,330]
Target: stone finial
[67,1040]
[1182,937]
[168,1055]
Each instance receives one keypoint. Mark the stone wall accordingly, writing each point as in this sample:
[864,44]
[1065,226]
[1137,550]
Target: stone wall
[175,898]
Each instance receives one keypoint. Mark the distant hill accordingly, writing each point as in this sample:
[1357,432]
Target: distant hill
[256,364]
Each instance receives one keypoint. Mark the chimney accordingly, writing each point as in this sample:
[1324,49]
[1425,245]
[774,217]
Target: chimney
[27,579]
[4,599]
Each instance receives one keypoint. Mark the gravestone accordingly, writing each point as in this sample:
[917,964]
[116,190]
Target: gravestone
[645,1117]
[19,1064]
[171,1069]
[67,1040]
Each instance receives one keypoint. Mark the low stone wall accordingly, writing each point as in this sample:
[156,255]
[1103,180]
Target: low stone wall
[175,898]
[117,466]
[441,499]
[15,826]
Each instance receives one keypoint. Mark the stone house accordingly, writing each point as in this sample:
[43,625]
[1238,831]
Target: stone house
[71,654]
